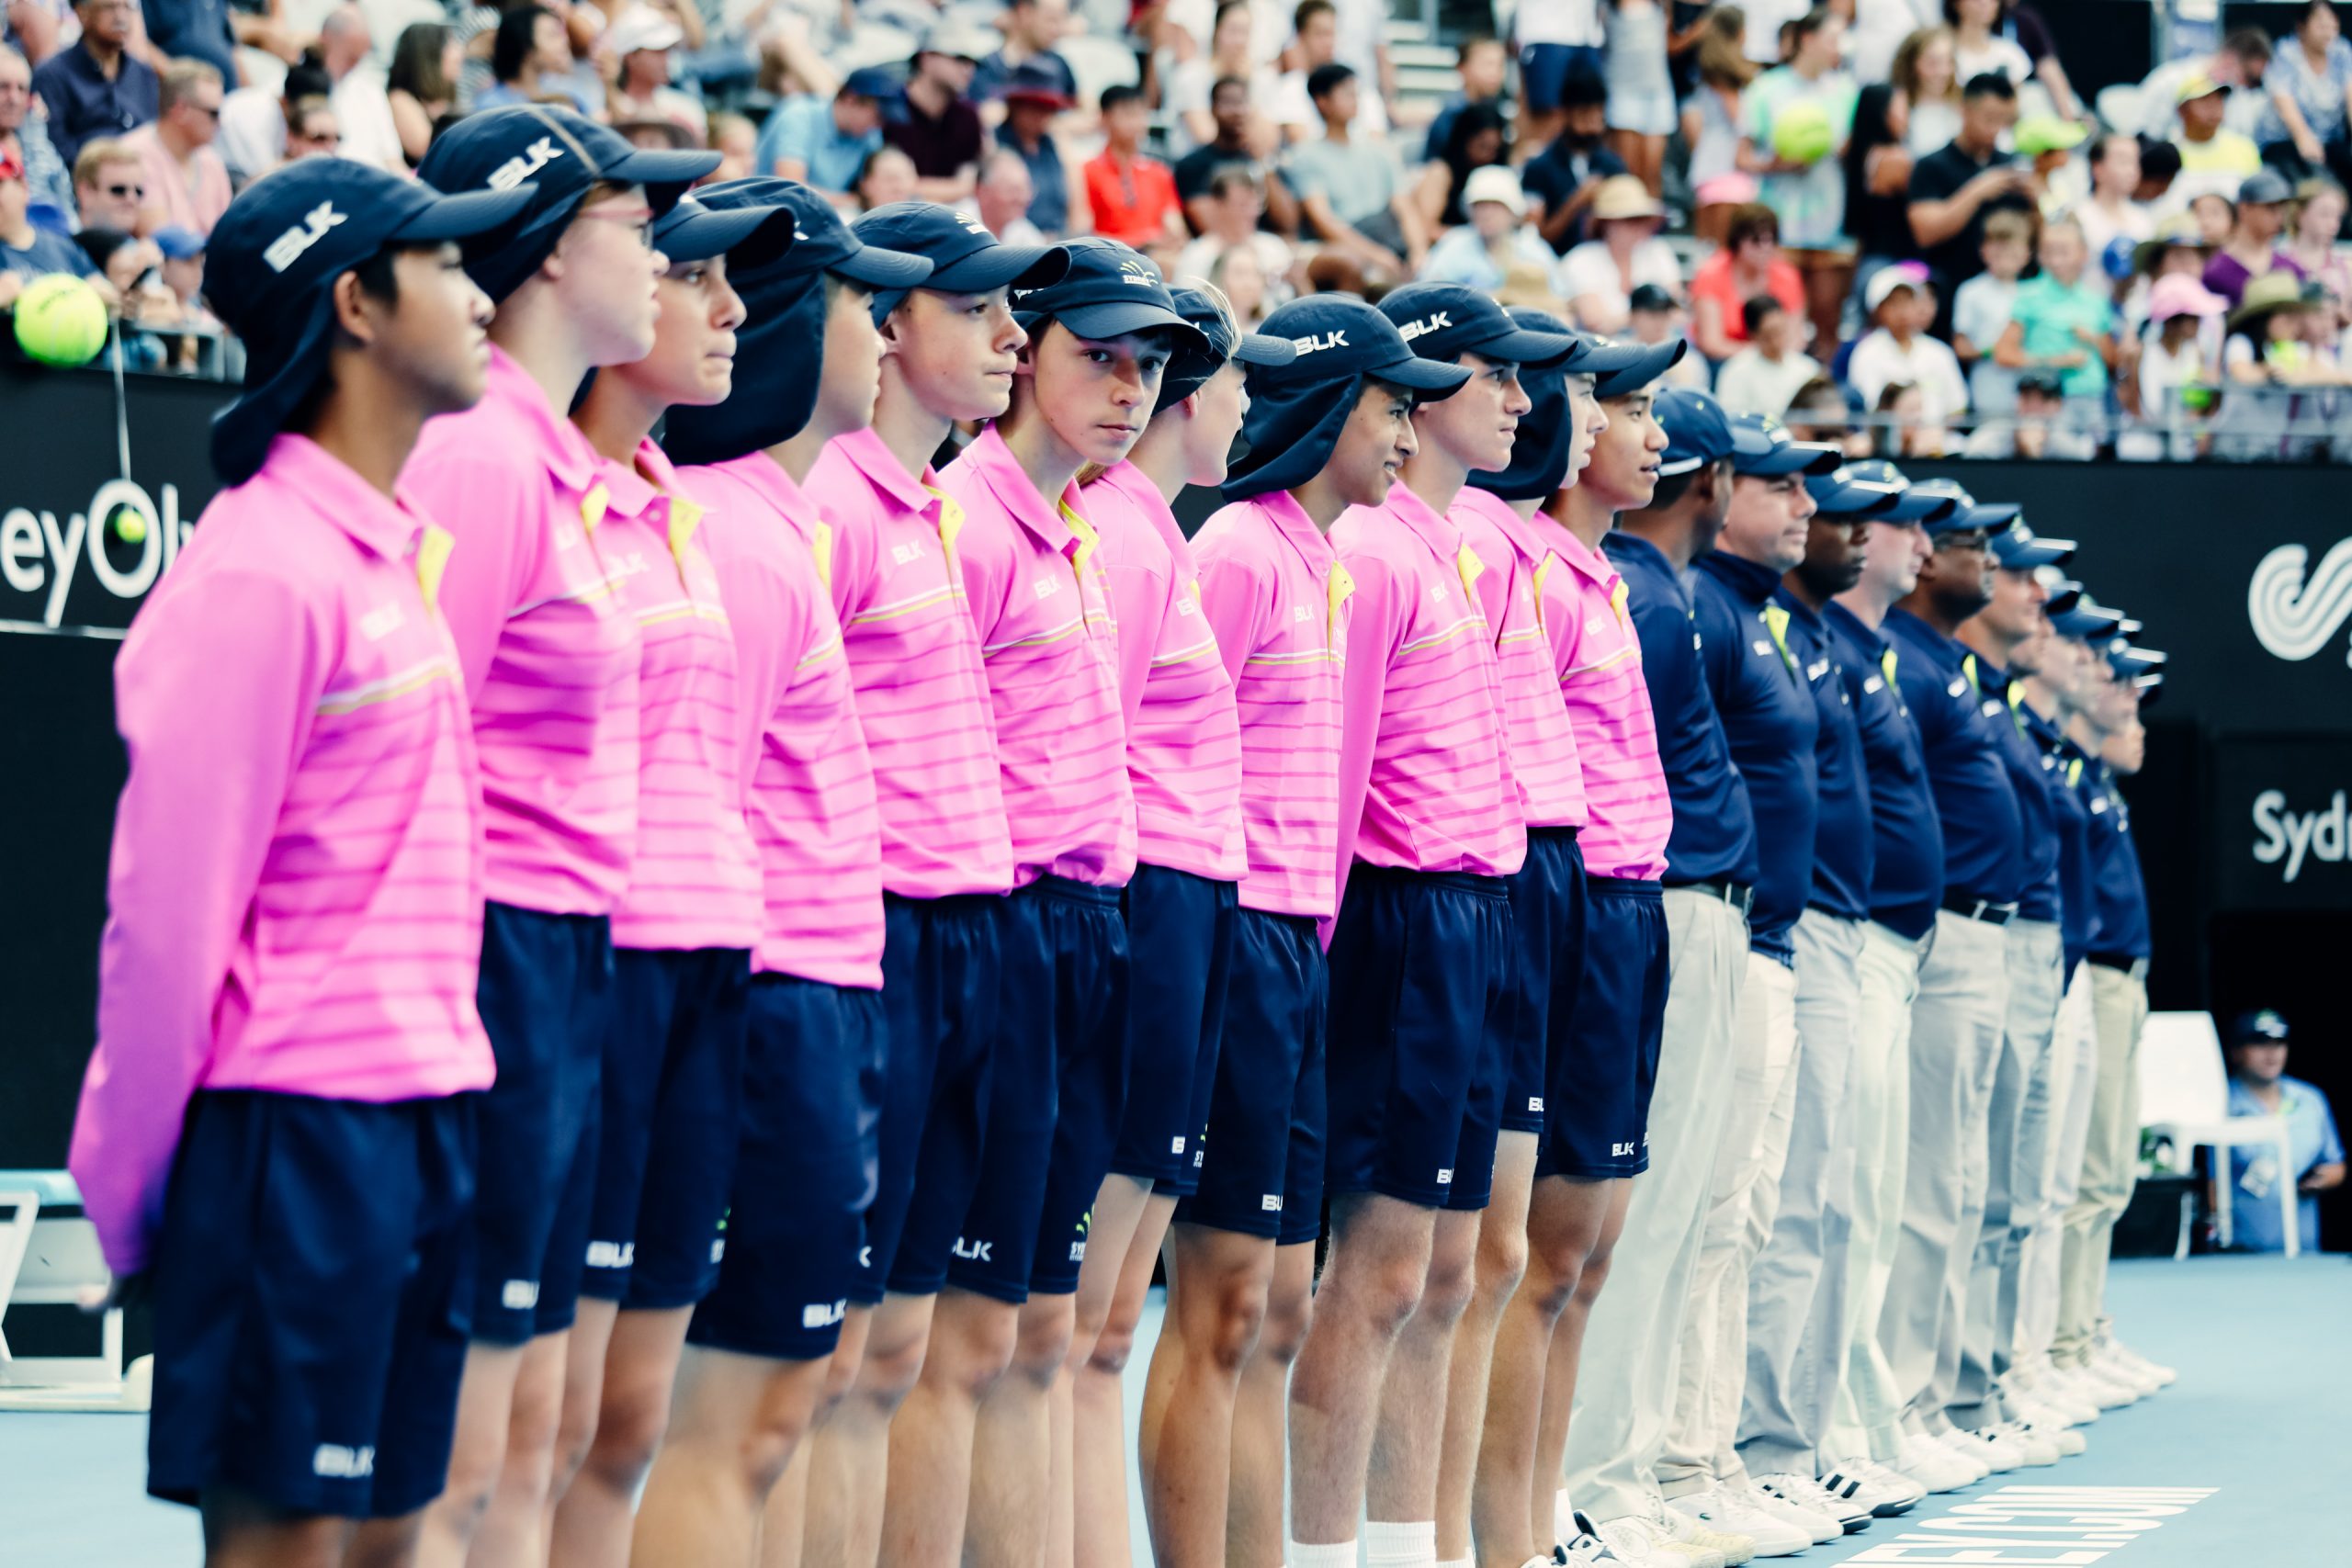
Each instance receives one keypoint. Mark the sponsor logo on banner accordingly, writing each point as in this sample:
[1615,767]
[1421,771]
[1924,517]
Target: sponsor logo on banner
[2294,615]
[2290,839]
[43,556]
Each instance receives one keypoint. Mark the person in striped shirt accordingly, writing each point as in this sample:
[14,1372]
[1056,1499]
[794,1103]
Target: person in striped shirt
[1322,434]
[948,353]
[551,656]
[775,1342]
[1184,762]
[685,926]
[1048,1227]
[275,1138]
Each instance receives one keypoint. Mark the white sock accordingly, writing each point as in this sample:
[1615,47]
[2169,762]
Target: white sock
[1338,1554]
[1563,1514]
[1412,1545]
[1459,1562]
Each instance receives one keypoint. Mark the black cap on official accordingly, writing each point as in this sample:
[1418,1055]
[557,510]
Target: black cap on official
[1912,503]
[1842,492]
[270,267]
[1106,289]
[1967,513]
[1763,448]
[1698,430]
[965,257]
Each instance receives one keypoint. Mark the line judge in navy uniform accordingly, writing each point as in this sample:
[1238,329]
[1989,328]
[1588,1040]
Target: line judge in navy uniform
[1769,720]
[1958,1016]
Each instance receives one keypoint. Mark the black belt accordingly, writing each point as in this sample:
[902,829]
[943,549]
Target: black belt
[1739,895]
[1984,910]
[2122,961]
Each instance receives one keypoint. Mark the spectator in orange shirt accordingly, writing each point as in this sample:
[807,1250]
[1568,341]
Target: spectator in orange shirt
[1133,196]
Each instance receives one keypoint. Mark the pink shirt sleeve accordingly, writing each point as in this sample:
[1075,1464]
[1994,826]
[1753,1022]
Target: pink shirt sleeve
[495,525]
[215,696]
[1375,629]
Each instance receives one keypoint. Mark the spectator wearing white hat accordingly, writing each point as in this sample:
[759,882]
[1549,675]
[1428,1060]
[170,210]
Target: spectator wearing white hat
[1481,252]
[1899,350]
[641,43]
[1598,277]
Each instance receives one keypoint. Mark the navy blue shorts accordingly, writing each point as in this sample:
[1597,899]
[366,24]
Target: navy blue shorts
[1600,1102]
[546,998]
[1544,70]
[940,964]
[1420,965]
[804,1170]
[1061,1086]
[1547,910]
[673,1077]
[312,1280]
[1175,1017]
[1261,1163]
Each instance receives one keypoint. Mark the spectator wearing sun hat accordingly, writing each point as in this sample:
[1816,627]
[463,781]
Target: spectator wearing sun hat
[1898,349]
[1483,252]
[640,45]
[1598,277]
[2212,156]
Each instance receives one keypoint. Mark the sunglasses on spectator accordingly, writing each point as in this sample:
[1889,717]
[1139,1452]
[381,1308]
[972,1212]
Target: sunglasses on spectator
[119,192]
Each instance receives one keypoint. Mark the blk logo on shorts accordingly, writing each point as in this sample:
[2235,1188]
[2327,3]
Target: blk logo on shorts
[337,1463]
[1271,1203]
[1621,1151]
[519,1295]
[823,1314]
[972,1251]
[1446,1176]
[611,1254]
[1078,1252]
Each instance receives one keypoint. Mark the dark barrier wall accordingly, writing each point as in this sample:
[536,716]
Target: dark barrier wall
[2244,574]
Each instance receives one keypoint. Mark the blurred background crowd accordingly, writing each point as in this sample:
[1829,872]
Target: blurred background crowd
[1897,223]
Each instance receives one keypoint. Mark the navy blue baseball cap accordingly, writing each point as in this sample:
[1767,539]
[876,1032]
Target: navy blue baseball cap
[2130,662]
[1912,503]
[1967,511]
[1698,430]
[1762,447]
[2263,1027]
[270,266]
[965,257]
[564,155]
[1205,306]
[2076,614]
[875,82]
[1297,409]
[1539,453]
[821,240]
[1619,369]
[1106,289]
[1446,321]
[2018,548]
[747,236]
[1841,492]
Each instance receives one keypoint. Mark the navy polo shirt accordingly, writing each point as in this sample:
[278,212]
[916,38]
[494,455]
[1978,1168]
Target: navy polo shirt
[84,104]
[1906,838]
[1714,830]
[2062,774]
[2002,702]
[1841,860]
[2120,926]
[1769,717]
[194,29]
[1983,862]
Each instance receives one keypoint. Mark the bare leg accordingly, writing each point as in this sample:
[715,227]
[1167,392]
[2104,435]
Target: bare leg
[583,1400]
[1257,1484]
[1373,1277]
[1567,1341]
[386,1544]
[243,1531]
[593,1519]
[971,1345]
[1099,1464]
[1012,1488]
[1401,1485]
[1502,1260]
[1216,1303]
[849,1457]
[738,1422]
[477,1451]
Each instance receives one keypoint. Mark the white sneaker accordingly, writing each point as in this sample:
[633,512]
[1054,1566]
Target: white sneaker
[1998,1455]
[2116,1351]
[2053,1390]
[1637,1543]
[2028,1453]
[1885,1493]
[1727,1510]
[2047,1423]
[1932,1465]
[1583,1549]
[1821,1527]
[2089,1388]
[1964,1447]
[1680,1528]
[1802,1492]
[1838,1501]
[2141,1380]
[2112,1390]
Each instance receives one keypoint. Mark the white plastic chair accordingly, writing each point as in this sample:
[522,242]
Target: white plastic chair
[2185,1098]
[53,1261]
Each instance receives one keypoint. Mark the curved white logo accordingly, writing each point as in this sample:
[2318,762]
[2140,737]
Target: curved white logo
[2294,618]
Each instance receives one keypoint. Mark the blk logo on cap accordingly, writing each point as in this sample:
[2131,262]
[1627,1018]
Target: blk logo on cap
[1431,323]
[288,248]
[523,164]
[1338,339]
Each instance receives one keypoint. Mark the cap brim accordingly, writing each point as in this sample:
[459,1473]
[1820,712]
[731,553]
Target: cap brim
[2026,557]
[1653,361]
[717,232]
[1116,318]
[1991,515]
[654,167]
[463,216]
[1521,346]
[879,269]
[996,266]
[1262,349]
[1434,378]
[2082,626]
[1796,458]
[1912,507]
[1861,500]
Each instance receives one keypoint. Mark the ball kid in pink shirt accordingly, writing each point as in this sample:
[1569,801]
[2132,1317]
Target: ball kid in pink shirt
[277,1127]
[1098,339]
[817,1026]
[550,655]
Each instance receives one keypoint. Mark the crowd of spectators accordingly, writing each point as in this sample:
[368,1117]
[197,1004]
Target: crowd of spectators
[1892,219]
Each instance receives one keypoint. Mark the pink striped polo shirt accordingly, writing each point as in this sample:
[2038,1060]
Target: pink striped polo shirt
[1535,716]
[1425,778]
[1278,601]
[922,698]
[807,788]
[1042,602]
[294,902]
[549,651]
[1599,657]
[1183,733]
[694,882]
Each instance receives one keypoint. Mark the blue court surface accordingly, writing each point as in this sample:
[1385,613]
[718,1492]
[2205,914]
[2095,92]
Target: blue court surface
[2242,1463]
